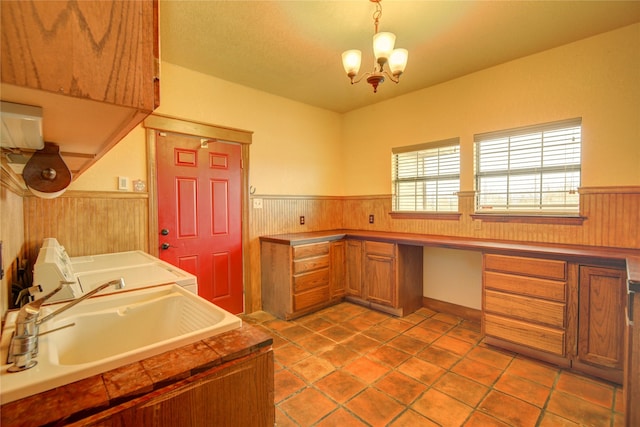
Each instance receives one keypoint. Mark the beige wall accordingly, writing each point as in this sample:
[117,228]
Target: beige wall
[596,79]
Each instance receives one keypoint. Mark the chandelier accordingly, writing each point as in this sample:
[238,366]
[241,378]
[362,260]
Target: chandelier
[384,52]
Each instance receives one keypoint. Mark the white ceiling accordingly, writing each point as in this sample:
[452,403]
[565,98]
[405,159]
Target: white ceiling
[293,48]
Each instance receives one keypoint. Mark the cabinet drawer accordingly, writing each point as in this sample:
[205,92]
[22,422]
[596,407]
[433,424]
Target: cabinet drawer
[380,248]
[531,309]
[311,280]
[311,298]
[523,285]
[538,337]
[537,267]
[310,264]
[313,249]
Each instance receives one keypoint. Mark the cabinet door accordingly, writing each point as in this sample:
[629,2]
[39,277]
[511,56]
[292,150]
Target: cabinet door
[337,269]
[380,273]
[601,316]
[353,255]
[100,50]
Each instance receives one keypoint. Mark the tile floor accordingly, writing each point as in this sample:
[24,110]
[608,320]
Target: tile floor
[347,365]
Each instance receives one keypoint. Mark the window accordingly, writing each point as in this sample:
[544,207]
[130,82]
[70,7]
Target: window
[534,169]
[426,177]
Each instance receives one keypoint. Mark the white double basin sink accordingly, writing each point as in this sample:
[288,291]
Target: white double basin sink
[108,332]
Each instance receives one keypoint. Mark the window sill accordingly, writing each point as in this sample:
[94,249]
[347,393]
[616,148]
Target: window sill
[453,216]
[530,219]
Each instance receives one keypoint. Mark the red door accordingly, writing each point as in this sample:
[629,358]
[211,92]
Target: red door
[199,207]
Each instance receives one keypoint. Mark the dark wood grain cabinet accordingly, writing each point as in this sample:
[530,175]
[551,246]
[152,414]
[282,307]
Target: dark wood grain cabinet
[353,259]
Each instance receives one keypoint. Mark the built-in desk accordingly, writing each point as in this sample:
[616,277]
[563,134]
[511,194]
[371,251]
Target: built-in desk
[580,275]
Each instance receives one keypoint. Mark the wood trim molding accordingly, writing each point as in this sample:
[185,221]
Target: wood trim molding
[204,130]
[453,216]
[628,189]
[294,197]
[11,181]
[529,219]
[471,314]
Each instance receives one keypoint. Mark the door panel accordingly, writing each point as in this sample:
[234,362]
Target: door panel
[199,203]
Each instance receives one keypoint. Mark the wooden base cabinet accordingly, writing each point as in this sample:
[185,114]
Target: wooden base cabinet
[390,277]
[564,313]
[297,280]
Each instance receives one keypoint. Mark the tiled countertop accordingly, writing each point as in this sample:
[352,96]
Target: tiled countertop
[97,393]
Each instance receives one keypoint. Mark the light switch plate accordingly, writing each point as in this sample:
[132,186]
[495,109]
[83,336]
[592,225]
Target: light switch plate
[123,183]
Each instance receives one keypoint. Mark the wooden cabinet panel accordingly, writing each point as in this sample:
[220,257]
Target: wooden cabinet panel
[316,296]
[353,259]
[311,250]
[534,310]
[602,293]
[310,264]
[380,277]
[311,280]
[380,248]
[523,285]
[338,269]
[524,333]
[536,267]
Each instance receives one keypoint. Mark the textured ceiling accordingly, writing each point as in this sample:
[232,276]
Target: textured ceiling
[293,48]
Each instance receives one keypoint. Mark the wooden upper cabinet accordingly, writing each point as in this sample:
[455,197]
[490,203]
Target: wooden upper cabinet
[99,50]
[93,67]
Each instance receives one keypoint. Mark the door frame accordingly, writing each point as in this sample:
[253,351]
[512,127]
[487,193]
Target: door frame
[162,123]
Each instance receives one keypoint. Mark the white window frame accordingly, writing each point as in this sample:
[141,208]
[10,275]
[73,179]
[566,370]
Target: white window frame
[435,185]
[532,170]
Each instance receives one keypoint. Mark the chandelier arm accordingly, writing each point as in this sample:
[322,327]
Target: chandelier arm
[391,76]
[355,79]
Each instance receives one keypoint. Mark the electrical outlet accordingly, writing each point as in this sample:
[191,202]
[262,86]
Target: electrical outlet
[123,183]
[302,220]
[257,203]
[371,218]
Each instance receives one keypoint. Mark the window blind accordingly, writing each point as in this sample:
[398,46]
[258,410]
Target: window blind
[426,177]
[535,169]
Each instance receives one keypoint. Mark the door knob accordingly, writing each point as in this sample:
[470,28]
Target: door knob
[164,232]
[165,246]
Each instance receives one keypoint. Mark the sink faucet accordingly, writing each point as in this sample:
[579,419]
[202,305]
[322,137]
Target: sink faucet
[24,343]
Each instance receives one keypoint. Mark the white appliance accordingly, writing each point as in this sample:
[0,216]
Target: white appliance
[85,273]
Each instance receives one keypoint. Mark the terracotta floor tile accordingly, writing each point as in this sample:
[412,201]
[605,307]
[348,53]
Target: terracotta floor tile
[465,334]
[461,388]
[374,317]
[407,344]
[340,386]
[420,370]
[414,318]
[447,318]
[509,409]
[357,324]
[478,419]
[427,336]
[307,407]
[340,418]
[277,324]
[374,407]
[426,312]
[490,356]
[411,418]
[338,355]
[290,354]
[439,357]
[580,411]
[294,332]
[471,325]
[453,345]
[278,341]
[395,324]
[535,371]
[338,333]
[586,389]
[388,355]
[401,387]
[312,368]
[315,342]
[261,316]
[286,384]
[336,315]
[361,343]
[477,371]
[316,323]
[282,420]
[443,409]
[436,325]
[553,420]
[524,389]
[380,333]
[366,369]
[352,309]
